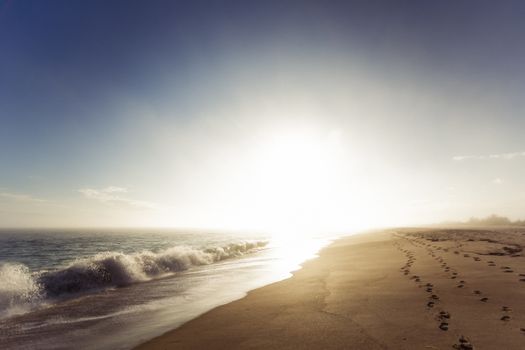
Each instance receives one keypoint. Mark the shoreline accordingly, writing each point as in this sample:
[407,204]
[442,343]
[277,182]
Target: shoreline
[395,289]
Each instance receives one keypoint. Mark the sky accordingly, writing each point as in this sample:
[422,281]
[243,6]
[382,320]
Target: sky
[271,115]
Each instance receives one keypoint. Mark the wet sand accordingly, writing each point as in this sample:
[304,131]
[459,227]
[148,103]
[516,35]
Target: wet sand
[393,289]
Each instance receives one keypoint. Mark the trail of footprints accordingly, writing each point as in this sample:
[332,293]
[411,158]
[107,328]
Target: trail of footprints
[443,317]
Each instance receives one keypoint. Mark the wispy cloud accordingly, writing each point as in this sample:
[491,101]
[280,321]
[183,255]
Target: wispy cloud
[21,197]
[497,181]
[505,156]
[114,194]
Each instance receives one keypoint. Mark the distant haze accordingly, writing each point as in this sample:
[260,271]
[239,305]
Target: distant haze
[271,115]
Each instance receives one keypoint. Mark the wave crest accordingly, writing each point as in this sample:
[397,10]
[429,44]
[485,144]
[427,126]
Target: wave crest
[20,290]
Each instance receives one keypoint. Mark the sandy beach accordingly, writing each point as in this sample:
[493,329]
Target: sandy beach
[395,289]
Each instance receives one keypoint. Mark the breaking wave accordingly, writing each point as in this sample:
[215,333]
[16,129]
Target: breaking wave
[20,290]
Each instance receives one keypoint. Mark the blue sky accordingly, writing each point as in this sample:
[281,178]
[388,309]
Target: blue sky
[157,113]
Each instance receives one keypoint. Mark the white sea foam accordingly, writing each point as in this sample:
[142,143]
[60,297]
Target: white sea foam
[20,290]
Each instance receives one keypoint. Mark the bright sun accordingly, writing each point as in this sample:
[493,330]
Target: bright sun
[298,179]
[290,182]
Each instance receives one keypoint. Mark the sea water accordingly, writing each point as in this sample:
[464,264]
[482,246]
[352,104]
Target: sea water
[113,289]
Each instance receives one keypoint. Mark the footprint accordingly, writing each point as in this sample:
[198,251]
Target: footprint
[506,308]
[443,326]
[484,299]
[444,314]
[505,318]
[464,344]
[477,292]
[430,304]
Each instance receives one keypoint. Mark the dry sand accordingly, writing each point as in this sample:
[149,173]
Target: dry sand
[396,289]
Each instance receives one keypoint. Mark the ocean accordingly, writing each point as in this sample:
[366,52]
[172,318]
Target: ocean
[114,289]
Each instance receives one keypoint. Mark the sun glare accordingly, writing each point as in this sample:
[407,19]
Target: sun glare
[298,174]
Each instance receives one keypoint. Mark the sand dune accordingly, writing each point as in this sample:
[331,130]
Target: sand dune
[394,289]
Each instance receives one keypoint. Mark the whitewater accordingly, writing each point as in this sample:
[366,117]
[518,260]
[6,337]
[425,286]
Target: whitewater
[113,289]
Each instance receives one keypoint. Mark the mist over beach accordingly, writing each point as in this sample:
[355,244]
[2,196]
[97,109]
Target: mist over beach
[264,174]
